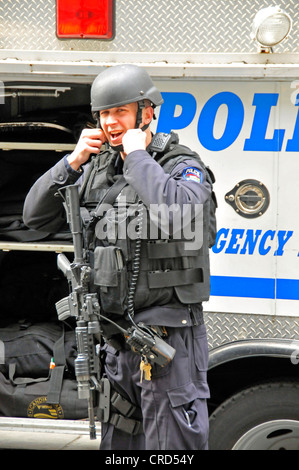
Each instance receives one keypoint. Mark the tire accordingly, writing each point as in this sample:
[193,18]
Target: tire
[262,417]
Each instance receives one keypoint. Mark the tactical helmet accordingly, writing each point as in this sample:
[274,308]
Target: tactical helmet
[123,84]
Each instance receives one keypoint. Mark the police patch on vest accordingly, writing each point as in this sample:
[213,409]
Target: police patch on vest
[192,174]
[39,408]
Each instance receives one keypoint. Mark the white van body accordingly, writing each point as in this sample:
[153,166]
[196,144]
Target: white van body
[238,108]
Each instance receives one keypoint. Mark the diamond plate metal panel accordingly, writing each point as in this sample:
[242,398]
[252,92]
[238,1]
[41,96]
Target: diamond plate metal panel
[202,26]
[228,327]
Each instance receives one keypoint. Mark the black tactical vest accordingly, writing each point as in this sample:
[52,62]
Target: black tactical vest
[132,269]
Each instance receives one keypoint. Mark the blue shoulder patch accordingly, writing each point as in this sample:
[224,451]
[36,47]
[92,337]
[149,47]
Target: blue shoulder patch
[192,174]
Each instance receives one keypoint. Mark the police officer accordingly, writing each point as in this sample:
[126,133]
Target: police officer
[154,278]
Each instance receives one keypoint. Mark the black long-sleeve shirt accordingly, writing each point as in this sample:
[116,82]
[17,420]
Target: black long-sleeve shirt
[185,185]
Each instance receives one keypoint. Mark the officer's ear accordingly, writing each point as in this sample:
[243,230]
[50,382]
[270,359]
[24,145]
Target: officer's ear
[147,114]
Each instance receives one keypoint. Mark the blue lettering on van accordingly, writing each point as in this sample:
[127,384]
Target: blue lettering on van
[179,109]
[169,119]
[293,143]
[257,141]
[234,123]
[241,241]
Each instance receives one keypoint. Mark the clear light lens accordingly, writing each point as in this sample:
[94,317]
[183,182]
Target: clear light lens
[270,26]
[273,30]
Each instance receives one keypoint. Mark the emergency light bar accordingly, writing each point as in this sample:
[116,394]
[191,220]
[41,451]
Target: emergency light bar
[85,19]
[271,26]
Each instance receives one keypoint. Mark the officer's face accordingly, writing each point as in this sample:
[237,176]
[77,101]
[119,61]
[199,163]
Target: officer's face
[116,121]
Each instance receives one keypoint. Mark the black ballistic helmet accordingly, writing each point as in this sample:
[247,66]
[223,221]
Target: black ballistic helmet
[123,84]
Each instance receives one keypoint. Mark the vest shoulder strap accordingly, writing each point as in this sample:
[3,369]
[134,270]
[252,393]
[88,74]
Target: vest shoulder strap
[175,154]
[178,153]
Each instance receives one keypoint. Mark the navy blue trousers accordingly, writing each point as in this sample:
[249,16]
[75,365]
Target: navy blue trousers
[173,402]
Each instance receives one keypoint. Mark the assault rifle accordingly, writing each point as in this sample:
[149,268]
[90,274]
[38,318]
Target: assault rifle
[84,306]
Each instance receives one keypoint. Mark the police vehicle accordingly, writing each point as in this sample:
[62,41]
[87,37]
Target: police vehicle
[229,75]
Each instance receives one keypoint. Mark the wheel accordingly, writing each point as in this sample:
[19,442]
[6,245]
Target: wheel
[262,417]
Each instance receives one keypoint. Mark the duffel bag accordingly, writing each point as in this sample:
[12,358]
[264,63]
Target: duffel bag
[31,348]
[29,400]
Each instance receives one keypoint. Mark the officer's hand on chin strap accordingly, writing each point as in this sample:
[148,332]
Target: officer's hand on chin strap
[90,142]
[134,139]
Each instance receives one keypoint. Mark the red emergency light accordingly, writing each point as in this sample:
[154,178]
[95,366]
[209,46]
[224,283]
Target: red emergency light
[89,19]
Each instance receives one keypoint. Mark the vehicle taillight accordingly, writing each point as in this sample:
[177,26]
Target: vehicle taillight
[85,19]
